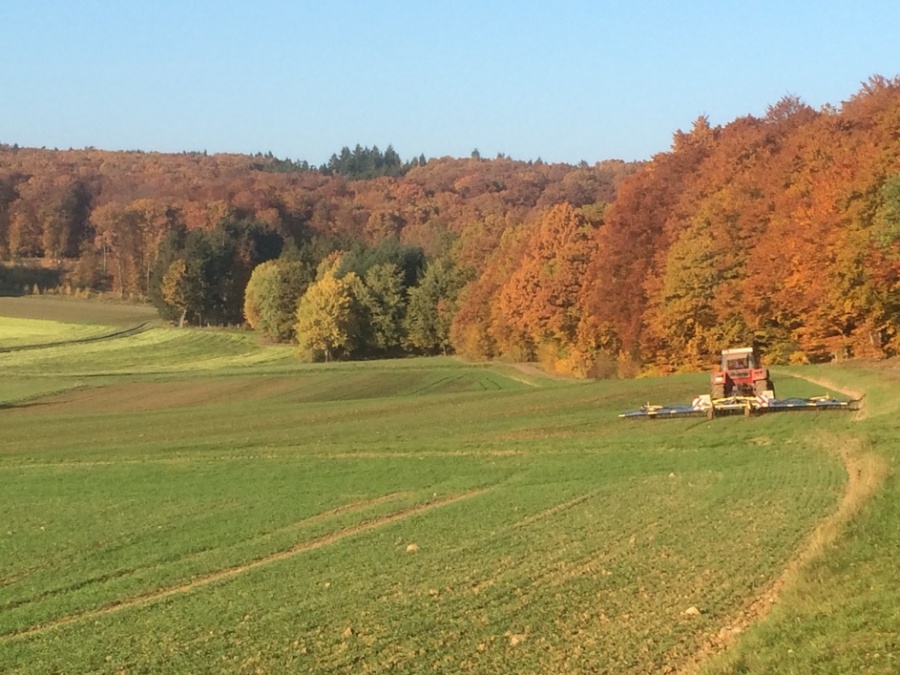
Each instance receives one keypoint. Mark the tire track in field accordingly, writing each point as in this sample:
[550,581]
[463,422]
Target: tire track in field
[177,460]
[122,573]
[231,572]
[866,472]
[184,460]
[480,585]
[126,332]
[553,510]
[856,394]
[421,453]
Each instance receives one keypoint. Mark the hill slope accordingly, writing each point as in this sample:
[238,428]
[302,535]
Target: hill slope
[217,502]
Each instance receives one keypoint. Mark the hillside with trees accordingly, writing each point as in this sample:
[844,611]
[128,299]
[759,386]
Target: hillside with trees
[783,230]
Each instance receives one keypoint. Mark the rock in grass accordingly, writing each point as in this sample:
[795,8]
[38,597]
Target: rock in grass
[516,638]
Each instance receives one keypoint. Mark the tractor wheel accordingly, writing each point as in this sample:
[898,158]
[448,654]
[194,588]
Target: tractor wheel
[763,385]
[718,391]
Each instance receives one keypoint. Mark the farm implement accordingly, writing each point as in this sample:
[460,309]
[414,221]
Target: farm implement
[705,406]
[741,386]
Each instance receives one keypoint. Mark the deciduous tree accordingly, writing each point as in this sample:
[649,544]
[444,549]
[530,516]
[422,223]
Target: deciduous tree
[432,305]
[326,320]
[271,296]
[382,298]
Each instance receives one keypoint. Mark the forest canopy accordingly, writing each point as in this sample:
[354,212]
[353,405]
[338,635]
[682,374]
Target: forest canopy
[781,230]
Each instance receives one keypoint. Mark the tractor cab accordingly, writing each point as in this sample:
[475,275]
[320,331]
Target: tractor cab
[740,375]
[740,358]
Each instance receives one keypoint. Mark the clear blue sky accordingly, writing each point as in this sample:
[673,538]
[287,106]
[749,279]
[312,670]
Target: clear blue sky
[563,81]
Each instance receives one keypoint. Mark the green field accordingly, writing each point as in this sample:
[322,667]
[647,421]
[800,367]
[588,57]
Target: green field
[193,501]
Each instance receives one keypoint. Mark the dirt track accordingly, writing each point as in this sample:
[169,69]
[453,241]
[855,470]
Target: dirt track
[532,369]
[866,473]
[857,394]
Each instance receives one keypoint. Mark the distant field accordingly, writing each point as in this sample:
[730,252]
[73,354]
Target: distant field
[160,350]
[17,333]
[45,320]
[193,501]
[74,311]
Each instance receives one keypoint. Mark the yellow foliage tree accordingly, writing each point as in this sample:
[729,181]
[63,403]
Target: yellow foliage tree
[326,317]
[173,288]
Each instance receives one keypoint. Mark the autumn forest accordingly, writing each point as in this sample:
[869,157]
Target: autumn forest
[782,230]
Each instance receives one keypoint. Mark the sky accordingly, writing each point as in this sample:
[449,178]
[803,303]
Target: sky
[557,80]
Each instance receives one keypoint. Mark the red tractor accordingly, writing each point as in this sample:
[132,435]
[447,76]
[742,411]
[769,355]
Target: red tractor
[741,375]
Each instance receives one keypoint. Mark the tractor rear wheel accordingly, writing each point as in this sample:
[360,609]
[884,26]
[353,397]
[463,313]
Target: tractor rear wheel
[763,385]
[718,391]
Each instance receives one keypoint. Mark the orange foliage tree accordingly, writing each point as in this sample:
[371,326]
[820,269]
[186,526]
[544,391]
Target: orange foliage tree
[539,302]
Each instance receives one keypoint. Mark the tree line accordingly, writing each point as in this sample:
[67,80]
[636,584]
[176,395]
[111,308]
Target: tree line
[783,230]
[359,163]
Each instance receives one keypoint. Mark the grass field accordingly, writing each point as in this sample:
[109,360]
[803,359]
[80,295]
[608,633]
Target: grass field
[74,312]
[192,501]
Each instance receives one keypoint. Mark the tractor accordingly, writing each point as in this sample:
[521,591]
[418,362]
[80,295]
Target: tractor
[741,375]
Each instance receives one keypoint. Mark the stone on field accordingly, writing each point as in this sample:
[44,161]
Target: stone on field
[516,638]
